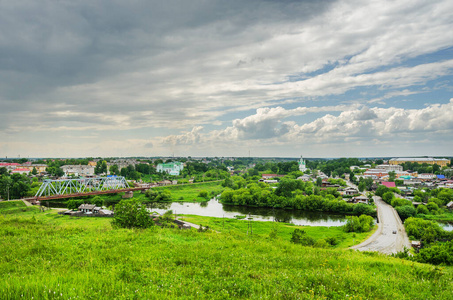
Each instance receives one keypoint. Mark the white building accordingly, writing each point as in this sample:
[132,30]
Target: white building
[172,168]
[390,167]
[302,165]
[78,170]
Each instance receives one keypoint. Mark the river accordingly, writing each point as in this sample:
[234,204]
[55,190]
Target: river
[214,208]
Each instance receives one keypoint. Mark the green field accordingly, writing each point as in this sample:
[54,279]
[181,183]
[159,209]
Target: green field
[189,192]
[282,230]
[49,256]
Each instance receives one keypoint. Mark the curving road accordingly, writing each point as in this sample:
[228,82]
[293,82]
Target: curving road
[384,240]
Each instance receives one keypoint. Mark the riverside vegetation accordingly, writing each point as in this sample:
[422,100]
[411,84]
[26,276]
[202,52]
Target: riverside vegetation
[50,256]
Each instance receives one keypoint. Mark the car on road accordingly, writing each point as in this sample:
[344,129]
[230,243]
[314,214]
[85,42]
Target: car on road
[394,232]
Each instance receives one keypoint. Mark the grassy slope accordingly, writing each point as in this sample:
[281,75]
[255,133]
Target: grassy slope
[45,255]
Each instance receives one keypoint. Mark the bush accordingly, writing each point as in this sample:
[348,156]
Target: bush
[422,209]
[437,254]
[131,214]
[203,194]
[300,237]
[363,209]
[406,211]
[363,223]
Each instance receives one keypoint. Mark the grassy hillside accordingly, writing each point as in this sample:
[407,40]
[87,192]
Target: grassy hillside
[45,255]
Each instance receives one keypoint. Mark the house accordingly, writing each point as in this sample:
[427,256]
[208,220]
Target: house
[305,177]
[349,191]
[416,244]
[89,209]
[450,205]
[25,171]
[441,177]
[388,184]
[360,199]
[426,176]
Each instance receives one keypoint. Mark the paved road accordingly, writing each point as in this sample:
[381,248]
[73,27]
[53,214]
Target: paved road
[384,240]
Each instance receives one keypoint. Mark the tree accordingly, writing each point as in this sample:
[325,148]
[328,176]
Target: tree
[319,181]
[3,171]
[406,211]
[392,176]
[131,214]
[388,197]
[101,167]
[114,170]
[34,171]
[362,186]
[422,209]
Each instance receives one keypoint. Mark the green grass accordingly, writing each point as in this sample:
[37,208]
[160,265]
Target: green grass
[49,256]
[446,216]
[189,192]
[283,230]
[14,207]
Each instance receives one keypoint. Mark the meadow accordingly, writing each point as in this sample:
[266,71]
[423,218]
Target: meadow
[283,231]
[50,256]
[190,192]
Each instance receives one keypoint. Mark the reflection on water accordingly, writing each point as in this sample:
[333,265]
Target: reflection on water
[447,226]
[214,208]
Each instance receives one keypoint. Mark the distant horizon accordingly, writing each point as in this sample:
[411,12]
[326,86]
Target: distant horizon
[260,157]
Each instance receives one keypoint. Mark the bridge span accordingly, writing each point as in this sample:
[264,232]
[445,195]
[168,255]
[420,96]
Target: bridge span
[69,188]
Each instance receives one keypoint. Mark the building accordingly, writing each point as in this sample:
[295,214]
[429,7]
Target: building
[376,173]
[390,167]
[25,171]
[420,160]
[388,184]
[78,170]
[426,176]
[40,168]
[172,168]
[302,165]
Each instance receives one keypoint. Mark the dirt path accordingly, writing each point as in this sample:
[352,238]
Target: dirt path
[391,236]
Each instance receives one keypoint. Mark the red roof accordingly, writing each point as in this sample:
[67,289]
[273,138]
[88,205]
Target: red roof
[20,170]
[9,164]
[388,184]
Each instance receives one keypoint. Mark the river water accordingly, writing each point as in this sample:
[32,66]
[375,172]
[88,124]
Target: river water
[214,208]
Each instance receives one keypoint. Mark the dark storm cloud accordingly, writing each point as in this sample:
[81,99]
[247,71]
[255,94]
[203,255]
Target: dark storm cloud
[48,47]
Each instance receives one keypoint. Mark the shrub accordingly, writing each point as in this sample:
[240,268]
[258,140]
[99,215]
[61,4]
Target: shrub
[406,211]
[300,237]
[203,194]
[359,224]
[422,209]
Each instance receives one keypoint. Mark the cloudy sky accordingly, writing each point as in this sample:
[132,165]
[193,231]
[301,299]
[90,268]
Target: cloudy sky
[226,78]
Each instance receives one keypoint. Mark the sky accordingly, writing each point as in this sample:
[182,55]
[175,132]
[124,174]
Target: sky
[284,78]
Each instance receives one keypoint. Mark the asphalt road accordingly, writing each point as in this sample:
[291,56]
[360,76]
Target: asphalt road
[384,239]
